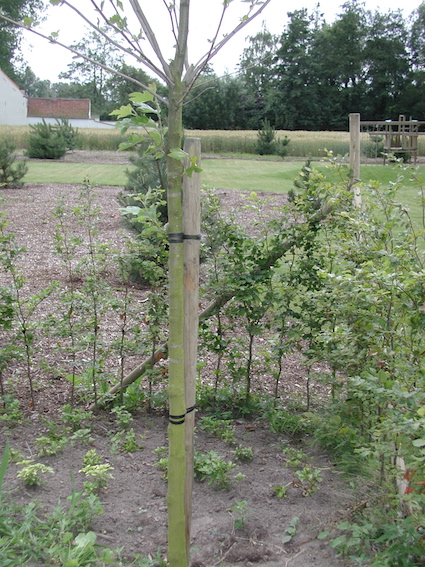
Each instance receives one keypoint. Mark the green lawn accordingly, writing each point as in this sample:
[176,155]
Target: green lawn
[57,172]
[237,174]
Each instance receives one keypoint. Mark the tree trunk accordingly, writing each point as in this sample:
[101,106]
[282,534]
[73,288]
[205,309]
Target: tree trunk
[177,554]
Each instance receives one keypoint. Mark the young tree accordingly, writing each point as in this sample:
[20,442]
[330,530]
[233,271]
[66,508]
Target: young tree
[179,76]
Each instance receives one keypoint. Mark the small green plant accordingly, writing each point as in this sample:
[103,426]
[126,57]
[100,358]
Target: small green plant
[244,454]
[239,513]
[281,491]
[291,530]
[83,435]
[222,428]
[91,458]
[9,410]
[76,418]
[309,478]
[31,472]
[125,441]
[214,468]
[11,170]
[294,457]
[123,417]
[99,476]
[50,445]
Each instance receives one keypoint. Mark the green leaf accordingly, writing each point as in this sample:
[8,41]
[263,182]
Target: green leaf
[421,411]
[418,442]
[323,535]
[145,96]
[123,111]
[177,153]
[28,22]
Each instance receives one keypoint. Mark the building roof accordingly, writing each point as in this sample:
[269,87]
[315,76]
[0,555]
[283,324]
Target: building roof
[59,108]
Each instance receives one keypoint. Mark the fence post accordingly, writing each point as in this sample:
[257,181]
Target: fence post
[355,157]
[192,237]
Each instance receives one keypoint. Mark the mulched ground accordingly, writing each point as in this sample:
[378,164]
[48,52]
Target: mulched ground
[135,514]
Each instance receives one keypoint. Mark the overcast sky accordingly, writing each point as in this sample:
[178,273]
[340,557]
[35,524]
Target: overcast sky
[48,60]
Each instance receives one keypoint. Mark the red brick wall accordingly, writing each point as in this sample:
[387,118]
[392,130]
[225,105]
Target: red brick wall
[59,108]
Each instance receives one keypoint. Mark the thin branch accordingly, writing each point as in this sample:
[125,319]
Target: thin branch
[86,58]
[200,94]
[207,58]
[141,57]
[183,32]
[173,20]
[151,37]
[132,40]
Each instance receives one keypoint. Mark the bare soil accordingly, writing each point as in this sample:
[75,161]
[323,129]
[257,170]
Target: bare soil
[135,513]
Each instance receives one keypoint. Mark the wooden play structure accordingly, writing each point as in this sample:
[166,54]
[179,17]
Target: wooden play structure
[400,136]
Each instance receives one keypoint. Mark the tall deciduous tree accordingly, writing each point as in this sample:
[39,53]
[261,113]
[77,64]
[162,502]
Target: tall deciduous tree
[93,78]
[131,27]
[10,36]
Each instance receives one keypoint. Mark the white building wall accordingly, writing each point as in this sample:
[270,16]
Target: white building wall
[75,122]
[13,104]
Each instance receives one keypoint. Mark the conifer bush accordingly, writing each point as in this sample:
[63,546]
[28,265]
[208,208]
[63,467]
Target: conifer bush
[11,171]
[51,141]
[267,144]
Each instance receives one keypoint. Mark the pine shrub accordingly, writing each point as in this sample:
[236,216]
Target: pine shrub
[267,144]
[46,141]
[11,171]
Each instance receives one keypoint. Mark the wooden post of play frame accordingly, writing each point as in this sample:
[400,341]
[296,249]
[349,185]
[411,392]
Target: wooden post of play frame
[192,241]
[355,157]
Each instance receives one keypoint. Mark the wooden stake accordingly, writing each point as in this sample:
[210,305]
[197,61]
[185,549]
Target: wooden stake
[191,231]
[355,157]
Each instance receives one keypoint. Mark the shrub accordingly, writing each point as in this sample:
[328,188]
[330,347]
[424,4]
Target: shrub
[47,141]
[267,144]
[11,172]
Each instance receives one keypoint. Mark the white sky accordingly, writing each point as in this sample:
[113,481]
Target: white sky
[48,60]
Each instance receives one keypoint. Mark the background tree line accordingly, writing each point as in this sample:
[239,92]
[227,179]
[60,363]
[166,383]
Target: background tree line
[310,77]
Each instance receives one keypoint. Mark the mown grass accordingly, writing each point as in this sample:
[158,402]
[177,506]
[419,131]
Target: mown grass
[56,172]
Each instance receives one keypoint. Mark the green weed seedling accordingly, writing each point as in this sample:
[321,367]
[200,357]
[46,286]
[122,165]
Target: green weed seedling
[294,457]
[221,428]
[310,478]
[214,468]
[10,413]
[75,418]
[281,490]
[162,462]
[123,417]
[83,435]
[97,472]
[291,530]
[125,441]
[31,472]
[99,476]
[244,454]
[239,513]
[48,446]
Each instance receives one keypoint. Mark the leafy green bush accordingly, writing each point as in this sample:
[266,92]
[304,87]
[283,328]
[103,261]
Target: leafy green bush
[11,171]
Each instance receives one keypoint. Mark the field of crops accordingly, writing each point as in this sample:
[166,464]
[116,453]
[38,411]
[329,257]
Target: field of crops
[239,143]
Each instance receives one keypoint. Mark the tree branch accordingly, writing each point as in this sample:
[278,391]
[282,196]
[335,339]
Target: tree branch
[193,73]
[86,58]
[151,38]
[139,56]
